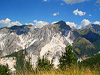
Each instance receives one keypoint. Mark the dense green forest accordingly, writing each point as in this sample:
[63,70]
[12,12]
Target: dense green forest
[91,62]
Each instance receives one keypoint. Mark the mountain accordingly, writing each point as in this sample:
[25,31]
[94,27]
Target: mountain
[91,36]
[91,32]
[10,39]
[21,29]
[49,41]
[93,27]
[66,31]
[63,25]
[46,41]
[83,47]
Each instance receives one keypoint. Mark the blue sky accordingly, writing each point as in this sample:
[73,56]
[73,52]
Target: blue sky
[77,13]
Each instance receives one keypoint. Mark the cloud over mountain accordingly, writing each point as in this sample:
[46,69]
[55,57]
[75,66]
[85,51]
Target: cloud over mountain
[39,24]
[97,22]
[29,24]
[7,22]
[84,22]
[71,24]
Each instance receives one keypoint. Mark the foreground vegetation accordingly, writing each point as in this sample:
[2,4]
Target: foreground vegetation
[75,70]
[91,62]
[4,70]
[68,65]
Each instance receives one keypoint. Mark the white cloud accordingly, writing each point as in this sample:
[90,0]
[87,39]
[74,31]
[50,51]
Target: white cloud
[7,22]
[29,24]
[61,3]
[54,22]
[39,24]
[80,13]
[84,22]
[71,24]
[79,27]
[55,14]
[97,22]
[90,15]
[45,0]
[73,1]
[98,1]
[15,23]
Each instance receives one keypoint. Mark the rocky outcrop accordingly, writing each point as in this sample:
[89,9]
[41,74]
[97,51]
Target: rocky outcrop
[46,41]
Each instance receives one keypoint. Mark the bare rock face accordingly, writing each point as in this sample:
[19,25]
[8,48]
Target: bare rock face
[47,41]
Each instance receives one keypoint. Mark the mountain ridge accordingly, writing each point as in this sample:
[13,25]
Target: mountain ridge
[49,41]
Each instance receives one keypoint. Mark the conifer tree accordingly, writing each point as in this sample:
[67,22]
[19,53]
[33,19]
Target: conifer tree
[68,57]
[44,63]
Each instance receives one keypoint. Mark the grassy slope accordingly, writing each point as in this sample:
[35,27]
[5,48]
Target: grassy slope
[82,32]
[80,48]
[83,47]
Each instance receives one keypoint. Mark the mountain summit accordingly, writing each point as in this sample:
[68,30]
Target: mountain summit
[63,25]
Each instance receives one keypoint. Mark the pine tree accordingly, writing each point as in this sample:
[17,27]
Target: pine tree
[44,64]
[68,57]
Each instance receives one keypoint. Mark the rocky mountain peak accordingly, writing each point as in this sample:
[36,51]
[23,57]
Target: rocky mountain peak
[63,25]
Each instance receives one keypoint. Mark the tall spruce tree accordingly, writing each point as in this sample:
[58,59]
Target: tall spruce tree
[68,57]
